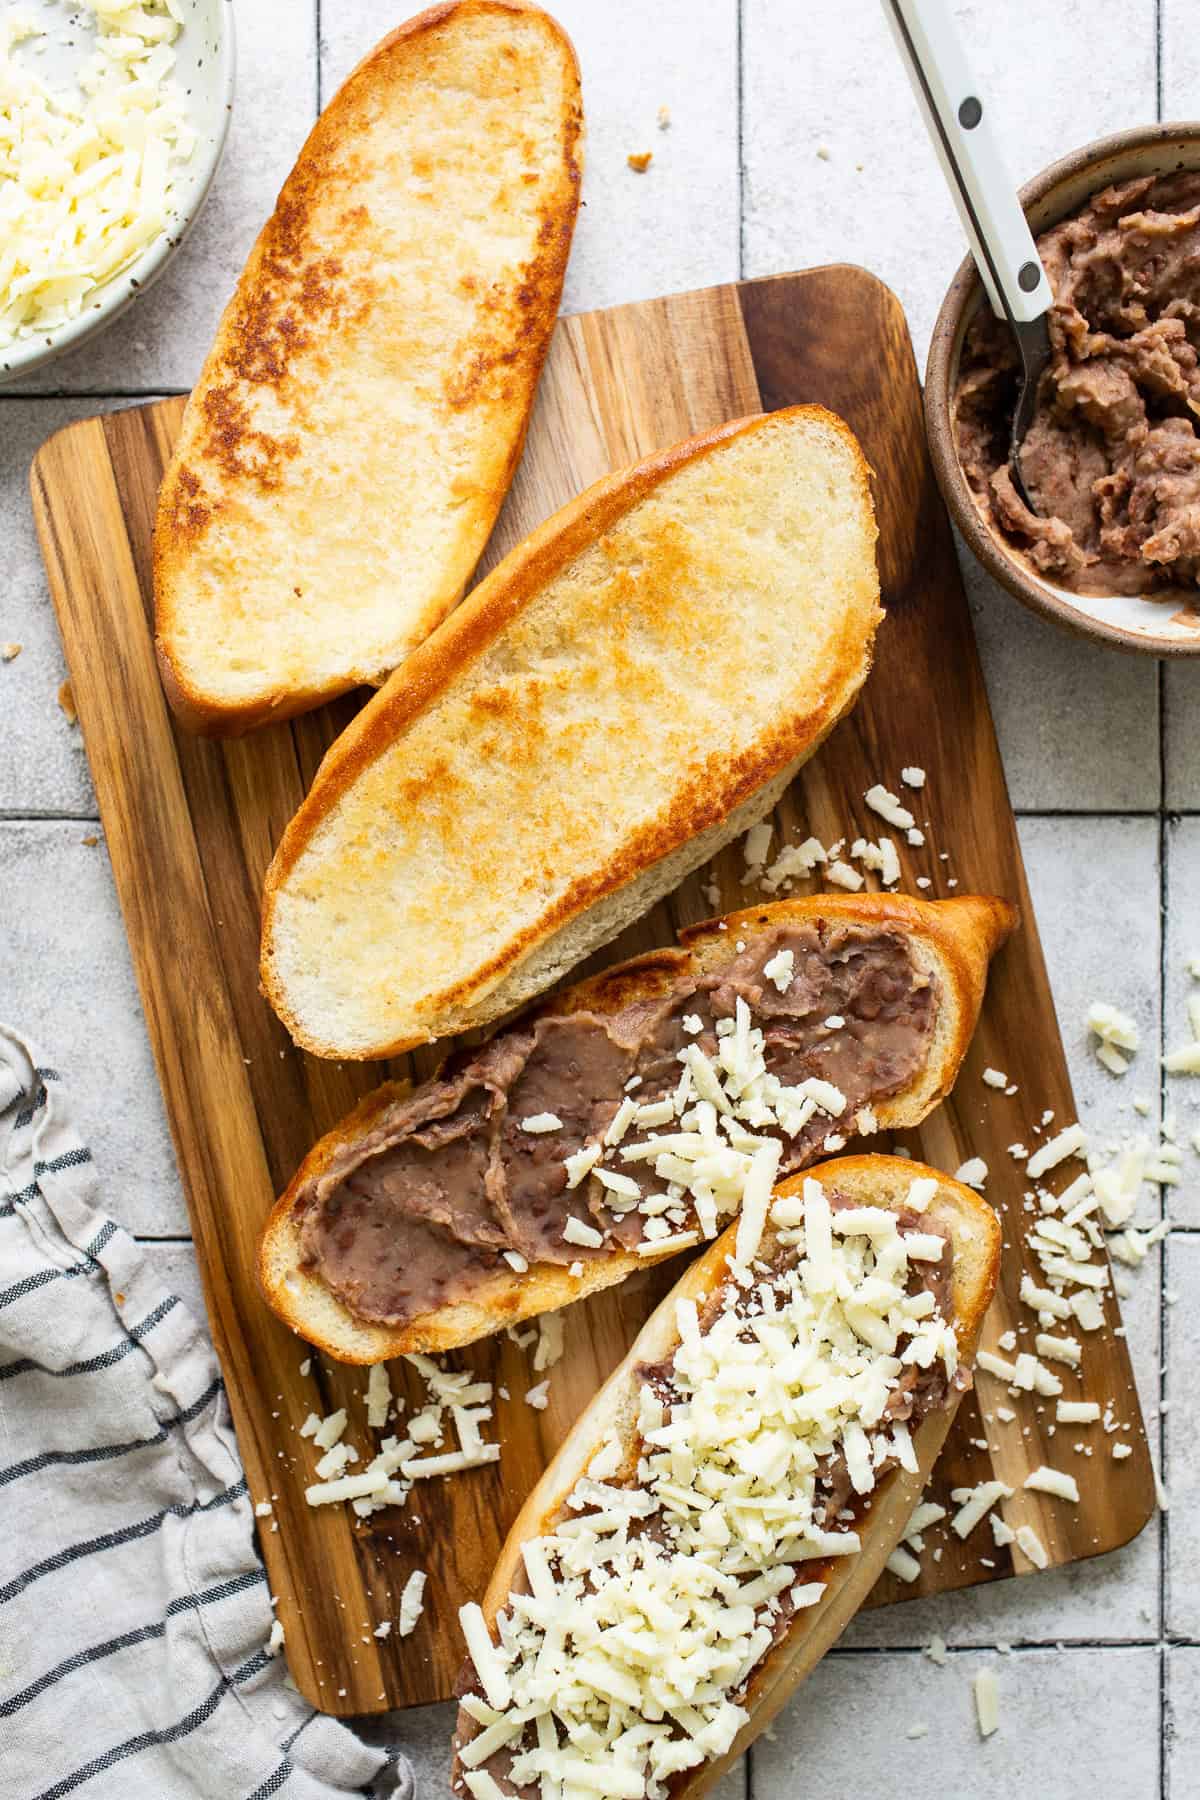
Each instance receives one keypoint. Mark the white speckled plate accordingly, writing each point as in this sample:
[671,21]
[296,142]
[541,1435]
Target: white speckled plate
[204,69]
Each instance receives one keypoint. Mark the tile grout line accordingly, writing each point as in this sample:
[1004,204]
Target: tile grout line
[9,816]
[24,815]
[741,158]
[68,394]
[740,73]
[1164,1777]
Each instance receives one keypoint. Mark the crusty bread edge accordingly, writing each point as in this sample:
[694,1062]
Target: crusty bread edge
[976,1238]
[663,851]
[957,937]
[197,711]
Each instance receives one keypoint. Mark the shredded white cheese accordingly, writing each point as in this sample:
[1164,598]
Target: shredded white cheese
[757,843]
[795,862]
[888,807]
[1069,1142]
[576,1231]
[1114,1032]
[976,1503]
[1032,1546]
[843,876]
[379,1396]
[987,1702]
[86,173]
[537,1123]
[412,1604]
[623,1635]
[780,969]
[1053,1481]
[903,1564]
[550,1341]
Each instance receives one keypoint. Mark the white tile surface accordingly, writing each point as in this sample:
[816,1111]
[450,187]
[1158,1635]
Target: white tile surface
[1095,889]
[1181,1458]
[1094,884]
[1079,730]
[1183,940]
[68,984]
[827,104]
[676,226]
[161,342]
[43,768]
[1183,1704]
[1077,723]
[1181,714]
[845,1731]
[826,76]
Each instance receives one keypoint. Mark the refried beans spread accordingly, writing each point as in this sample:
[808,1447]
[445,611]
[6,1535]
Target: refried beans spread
[1112,457]
[422,1208]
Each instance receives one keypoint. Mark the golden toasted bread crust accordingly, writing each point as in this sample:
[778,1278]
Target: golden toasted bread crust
[304,290]
[876,1180]
[956,938]
[707,796]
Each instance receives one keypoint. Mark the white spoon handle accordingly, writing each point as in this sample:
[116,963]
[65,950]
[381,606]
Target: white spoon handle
[957,114]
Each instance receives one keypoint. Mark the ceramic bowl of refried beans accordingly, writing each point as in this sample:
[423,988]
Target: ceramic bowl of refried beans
[1112,458]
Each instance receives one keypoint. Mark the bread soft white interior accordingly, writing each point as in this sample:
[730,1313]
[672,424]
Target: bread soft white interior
[628,690]
[358,420]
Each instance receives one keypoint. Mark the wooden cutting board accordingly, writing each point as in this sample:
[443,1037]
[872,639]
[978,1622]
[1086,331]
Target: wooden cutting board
[191,825]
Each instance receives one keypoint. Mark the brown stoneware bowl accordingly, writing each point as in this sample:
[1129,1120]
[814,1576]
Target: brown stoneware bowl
[1165,624]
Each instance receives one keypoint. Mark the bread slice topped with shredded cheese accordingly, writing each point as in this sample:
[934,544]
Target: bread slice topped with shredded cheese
[359,418]
[729,1498]
[625,1119]
[631,688]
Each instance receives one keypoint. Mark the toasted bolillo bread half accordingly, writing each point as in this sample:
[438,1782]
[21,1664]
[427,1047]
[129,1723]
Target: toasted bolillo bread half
[738,1431]
[941,948]
[358,420]
[629,689]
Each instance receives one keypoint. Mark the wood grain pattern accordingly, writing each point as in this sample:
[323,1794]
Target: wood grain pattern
[191,826]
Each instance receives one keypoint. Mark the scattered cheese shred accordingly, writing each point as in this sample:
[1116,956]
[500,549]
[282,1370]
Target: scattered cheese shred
[987,1702]
[888,807]
[976,1503]
[1069,1142]
[1032,1546]
[379,1396]
[1053,1481]
[757,843]
[412,1603]
[1114,1032]
[842,875]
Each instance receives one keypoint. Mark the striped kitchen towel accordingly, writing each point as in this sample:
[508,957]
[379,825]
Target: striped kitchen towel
[134,1613]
